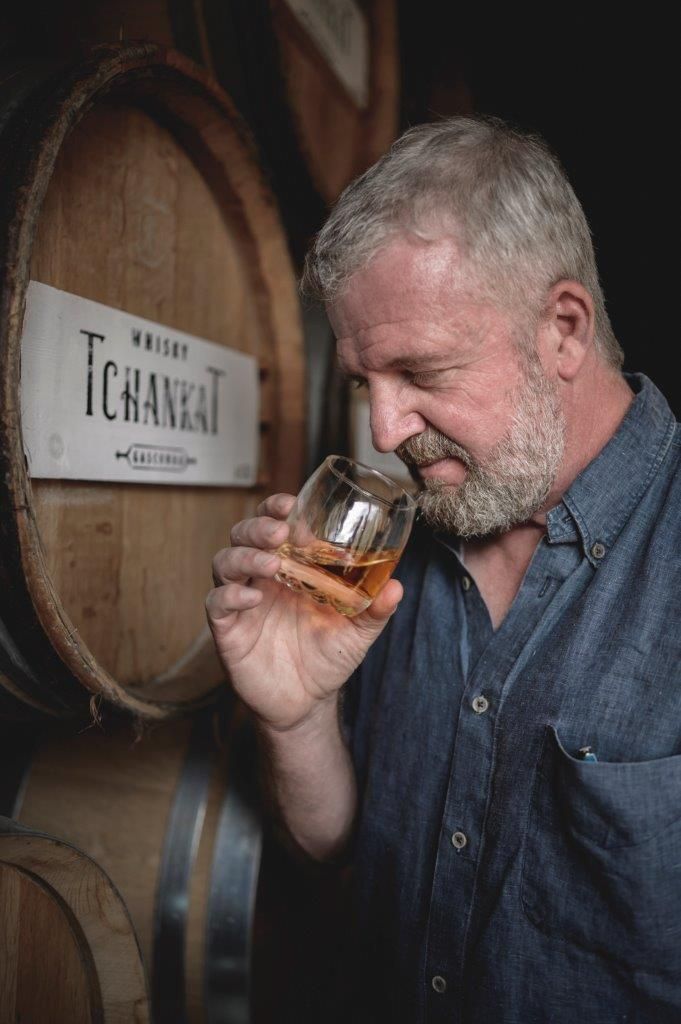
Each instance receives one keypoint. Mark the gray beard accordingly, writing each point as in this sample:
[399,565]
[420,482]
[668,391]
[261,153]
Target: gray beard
[515,480]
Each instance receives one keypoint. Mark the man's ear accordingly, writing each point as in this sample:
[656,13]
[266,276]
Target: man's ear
[568,327]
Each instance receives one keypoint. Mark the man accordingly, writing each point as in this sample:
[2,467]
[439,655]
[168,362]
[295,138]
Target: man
[506,771]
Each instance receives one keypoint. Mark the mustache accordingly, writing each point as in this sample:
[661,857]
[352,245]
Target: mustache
[429,446]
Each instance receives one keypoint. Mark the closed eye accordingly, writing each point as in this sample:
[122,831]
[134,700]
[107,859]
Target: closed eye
[420,378]
[425,378]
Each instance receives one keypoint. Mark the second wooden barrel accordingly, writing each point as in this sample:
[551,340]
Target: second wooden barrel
[129,182]
[172,817]
[319,83]
[68,952]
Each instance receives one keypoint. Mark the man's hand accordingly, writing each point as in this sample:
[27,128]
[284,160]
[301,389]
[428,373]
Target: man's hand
[286,656]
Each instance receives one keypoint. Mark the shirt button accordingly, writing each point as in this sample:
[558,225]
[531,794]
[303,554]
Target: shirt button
[439,984]
[459,840]
[598,550]
[480,704]
[466,582]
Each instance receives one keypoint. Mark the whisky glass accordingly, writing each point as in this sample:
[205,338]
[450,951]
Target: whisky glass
[349,526]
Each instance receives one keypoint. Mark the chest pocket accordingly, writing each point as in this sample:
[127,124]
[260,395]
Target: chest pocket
[602,862]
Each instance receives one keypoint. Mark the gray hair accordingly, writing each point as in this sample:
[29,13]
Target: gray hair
[499,192]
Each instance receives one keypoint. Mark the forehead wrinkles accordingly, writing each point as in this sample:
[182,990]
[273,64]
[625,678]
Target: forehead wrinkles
[460,334]
[391,340]
[376,352]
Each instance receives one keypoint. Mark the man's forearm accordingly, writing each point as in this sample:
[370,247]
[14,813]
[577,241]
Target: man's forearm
[311,779]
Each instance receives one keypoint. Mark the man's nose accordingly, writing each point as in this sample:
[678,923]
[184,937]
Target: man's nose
[392,422]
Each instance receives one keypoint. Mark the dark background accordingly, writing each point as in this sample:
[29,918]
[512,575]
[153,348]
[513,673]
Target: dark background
[604,92]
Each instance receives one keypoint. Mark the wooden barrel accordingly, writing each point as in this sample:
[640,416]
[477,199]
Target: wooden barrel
[172,817]
[129,181]
[68,951]
[318,82]
[319,85]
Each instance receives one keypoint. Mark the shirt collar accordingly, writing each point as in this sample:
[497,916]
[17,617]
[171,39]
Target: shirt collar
[600,500]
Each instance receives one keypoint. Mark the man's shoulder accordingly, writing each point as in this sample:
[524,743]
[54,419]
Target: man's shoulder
[656,518]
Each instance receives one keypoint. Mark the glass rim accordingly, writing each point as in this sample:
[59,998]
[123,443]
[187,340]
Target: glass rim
[377,472]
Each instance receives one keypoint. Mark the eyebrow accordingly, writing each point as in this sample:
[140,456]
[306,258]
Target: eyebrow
[403,362]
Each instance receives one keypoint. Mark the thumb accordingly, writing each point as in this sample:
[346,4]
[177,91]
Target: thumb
[373,620]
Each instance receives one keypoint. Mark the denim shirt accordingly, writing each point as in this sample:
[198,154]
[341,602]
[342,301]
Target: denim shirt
[502,873]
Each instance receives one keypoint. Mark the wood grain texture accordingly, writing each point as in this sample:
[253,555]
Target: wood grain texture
[131,562]
[139,189]
[313,136]
[45,968]
[69,953]
[111,795]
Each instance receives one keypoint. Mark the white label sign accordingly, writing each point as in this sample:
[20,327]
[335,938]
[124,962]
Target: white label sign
[106,395]
[339,29]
